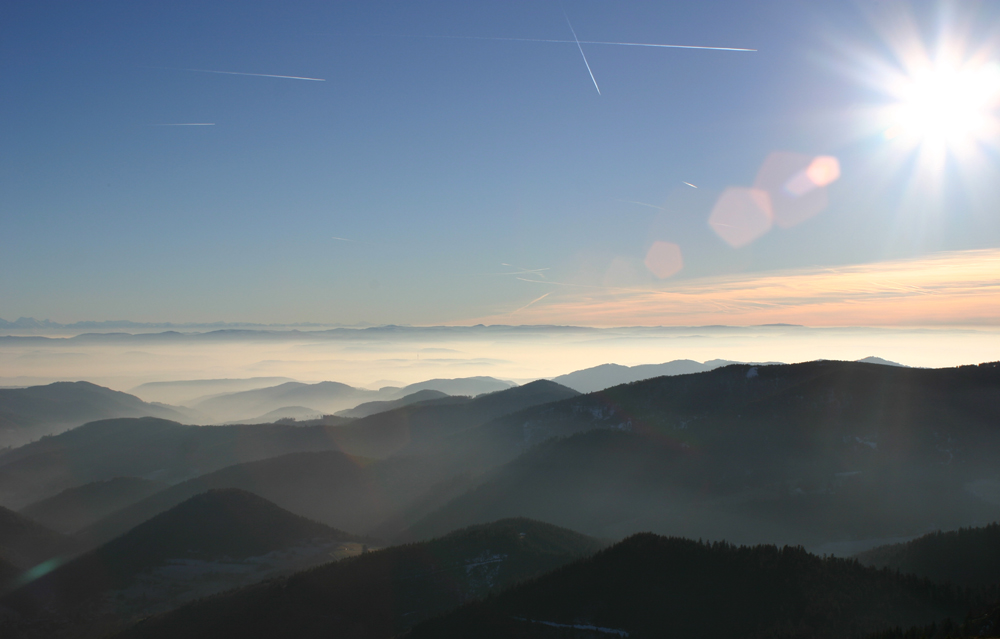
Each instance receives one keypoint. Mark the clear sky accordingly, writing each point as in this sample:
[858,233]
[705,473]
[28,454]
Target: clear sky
[448,170]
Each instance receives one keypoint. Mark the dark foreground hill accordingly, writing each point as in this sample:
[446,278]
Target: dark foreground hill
[169,558]
[27,414]
[651,586]
[25,543]
[967,557]
[75,508]
[801,454]
[379,594]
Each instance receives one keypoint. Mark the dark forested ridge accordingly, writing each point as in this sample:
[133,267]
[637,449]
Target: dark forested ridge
[967,557]
[651,586]
[154,563]
[379,594]
[25,542]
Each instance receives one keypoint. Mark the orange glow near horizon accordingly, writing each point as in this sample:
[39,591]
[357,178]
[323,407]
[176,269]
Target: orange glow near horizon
[947,289]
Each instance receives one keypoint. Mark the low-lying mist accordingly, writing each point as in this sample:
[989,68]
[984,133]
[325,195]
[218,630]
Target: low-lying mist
[392,356]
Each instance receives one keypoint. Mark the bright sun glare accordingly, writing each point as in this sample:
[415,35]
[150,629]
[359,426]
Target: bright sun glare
[945,105]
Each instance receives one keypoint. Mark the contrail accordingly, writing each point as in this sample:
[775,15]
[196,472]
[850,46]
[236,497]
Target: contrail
[259,75]
[537,299]
[652,206]
[617,44]
[691,185]
[577,40]
[185,124]
[342,239]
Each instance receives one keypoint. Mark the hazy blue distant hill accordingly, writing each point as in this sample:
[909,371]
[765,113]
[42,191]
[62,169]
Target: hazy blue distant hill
[184,391]
[604,376]
[81,506]
[325,397]
[878,360]
[967,557]
[371,408]
[27,414]
[805,453]
[162,561]
[25,543]
[650,586]
[379,594]
[470,386]
[329,397]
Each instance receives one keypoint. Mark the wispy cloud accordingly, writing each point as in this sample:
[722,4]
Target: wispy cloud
[947,289]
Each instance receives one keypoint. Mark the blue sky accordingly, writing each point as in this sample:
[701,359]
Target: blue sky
[440,158]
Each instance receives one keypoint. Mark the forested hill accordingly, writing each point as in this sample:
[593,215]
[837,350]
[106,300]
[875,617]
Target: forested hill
[651,586]
[967,557]
[379,594]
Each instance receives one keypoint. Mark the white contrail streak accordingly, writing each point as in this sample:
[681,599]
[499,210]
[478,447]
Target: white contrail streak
[185,124]
[259,75]
[617,44]
[342,239]
[537,299]
[691,185]
[577,40]
[652,206]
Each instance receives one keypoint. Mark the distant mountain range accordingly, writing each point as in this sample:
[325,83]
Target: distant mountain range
[32,323]
[328,397]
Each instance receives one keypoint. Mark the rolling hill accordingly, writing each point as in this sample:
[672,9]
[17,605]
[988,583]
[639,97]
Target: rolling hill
[371,408]
[26,414]
[25,543]
[81,506]
[328,397]
[804,454]
[652,586]
[428,427]
[185,391]
[186,551]
[379,594]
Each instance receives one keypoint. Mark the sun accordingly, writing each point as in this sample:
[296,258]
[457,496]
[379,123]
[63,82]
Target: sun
[944,105]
